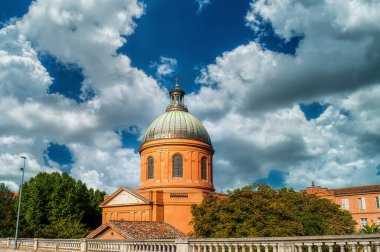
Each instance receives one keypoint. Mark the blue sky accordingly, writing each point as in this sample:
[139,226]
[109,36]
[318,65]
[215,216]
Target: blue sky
[291,90]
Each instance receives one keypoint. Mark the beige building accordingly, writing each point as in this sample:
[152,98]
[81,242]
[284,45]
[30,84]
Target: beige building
[363,202]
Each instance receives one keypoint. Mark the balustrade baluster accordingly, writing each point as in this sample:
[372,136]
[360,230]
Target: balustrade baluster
[196,248]
[341,247]
[236,246]
[367,248]
[295,248]
[223,246]
[250,246]
[309,247]
[319,247]
[331,247]
[275,247]
[242,247]
[377,246]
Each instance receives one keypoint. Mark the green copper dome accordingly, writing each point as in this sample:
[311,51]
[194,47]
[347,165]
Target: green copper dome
[177,122]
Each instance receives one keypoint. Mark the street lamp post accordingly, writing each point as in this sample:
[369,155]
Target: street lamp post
[19,202]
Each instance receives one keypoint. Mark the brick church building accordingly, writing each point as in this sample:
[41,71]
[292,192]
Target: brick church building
[176,172]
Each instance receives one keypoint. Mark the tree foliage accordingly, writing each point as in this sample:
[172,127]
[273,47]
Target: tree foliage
[55,205]
[260,211]
[7,211]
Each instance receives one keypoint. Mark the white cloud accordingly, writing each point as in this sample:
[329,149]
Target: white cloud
[202,4]
[88,34]
[249,101]
[106,168]
[165,67]
[333,150]
[10,165]
[21,73]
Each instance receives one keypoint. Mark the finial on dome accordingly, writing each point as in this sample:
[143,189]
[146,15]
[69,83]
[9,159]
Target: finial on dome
[176,98]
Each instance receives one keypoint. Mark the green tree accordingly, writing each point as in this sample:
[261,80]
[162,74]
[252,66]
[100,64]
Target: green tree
[260,211]
[7,212]
[55,205]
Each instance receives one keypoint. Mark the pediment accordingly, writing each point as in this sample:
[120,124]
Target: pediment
[125,196]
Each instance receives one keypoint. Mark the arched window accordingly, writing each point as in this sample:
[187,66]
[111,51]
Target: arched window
[150,167]
[204,168]
[177,166]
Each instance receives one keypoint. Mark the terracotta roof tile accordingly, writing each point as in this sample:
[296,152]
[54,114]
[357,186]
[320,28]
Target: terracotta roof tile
[356,189]
[140,230]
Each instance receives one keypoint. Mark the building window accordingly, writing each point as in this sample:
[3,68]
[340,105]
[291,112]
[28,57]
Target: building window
[345,204]
[150,167]
[377,202]
[363,222]
[177,166]
[362,203]
[204,168]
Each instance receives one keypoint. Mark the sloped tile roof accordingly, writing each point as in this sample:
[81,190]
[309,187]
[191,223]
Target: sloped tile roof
[357,189]
[139,230]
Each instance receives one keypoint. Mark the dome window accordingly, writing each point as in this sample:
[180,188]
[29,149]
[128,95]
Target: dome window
[177,166]
[204,168]
[150,168]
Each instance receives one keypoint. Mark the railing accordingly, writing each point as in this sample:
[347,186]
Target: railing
[348,243]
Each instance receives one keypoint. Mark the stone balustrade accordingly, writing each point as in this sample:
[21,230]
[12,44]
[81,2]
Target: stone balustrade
[348,243]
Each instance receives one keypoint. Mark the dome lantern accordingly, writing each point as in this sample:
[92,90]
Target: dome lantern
[177,122]
[177,96]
